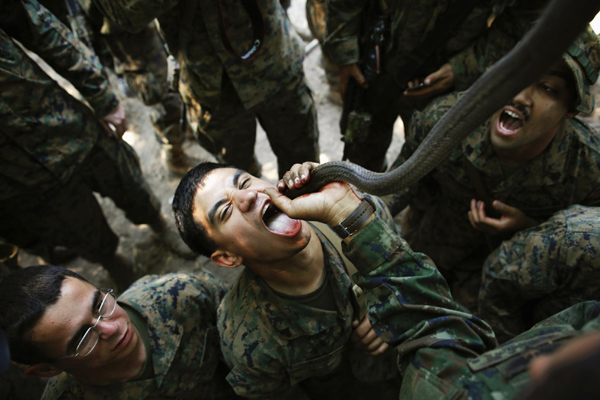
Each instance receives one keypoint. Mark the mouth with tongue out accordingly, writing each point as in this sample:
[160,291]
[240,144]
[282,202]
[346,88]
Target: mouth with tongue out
[279,223]
[509,122]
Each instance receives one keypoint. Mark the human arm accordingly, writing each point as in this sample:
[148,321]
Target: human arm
[46,36]
[409,303]
[512,219]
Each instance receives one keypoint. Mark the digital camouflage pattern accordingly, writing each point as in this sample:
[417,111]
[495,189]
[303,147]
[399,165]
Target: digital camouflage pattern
[468,46]
[211,74]
[180,313]
[139,58]
[282,349]
[566,173]
[38,119]
[445,353]
[541,271]
[53,151]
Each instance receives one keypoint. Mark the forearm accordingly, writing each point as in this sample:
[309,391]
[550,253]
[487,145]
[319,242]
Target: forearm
[55,44]
[409,302]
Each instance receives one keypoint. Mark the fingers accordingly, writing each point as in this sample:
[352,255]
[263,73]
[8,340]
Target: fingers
[297,176]
[364,337]
[437,82]
[347,71]
[479,220]
[115,123]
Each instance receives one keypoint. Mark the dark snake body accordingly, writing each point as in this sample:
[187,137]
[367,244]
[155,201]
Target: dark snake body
[561,23]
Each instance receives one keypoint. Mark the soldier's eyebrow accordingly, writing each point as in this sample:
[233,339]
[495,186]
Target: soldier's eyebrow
[77,337]
[213,210]
[559,73]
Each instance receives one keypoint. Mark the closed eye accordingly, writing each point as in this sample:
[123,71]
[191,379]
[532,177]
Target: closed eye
[244,183]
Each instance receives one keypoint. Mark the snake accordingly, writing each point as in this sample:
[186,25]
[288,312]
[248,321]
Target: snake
[561,22]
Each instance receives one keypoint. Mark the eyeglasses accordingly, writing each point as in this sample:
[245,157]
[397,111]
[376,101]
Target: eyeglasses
[90,339]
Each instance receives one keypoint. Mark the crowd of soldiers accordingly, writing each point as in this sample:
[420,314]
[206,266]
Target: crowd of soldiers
[480,281]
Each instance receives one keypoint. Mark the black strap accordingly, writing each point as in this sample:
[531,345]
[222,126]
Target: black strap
[421,55]
[258,27]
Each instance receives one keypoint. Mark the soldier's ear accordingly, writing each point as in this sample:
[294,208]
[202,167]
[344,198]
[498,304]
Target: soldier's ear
[42,370]
[226,259]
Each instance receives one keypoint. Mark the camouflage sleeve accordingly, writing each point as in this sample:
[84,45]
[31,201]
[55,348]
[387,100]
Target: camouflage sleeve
[342,30]
[507,29]
[134,15]
[409,303]
[55,44]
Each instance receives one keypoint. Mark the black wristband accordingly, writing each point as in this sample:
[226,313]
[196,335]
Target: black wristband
[349,225]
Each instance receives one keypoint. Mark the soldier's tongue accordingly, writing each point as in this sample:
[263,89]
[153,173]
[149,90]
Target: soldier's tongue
[278,222]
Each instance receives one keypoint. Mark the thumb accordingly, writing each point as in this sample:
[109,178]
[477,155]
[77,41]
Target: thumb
[281,201]
[433,77]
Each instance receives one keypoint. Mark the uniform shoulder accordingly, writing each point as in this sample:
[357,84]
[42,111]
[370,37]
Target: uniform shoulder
[585,134]
[63,387]
[424,121]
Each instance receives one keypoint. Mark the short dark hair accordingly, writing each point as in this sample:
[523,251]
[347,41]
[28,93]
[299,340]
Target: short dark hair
[192,233]
[24,297]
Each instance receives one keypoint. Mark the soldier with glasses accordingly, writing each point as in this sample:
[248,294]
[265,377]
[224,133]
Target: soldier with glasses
[157,340]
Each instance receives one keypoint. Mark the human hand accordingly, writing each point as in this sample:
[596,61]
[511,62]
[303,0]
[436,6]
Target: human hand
[116,119]
[351,70]
[364,337]
[511,220]
[330,204]
[435,83]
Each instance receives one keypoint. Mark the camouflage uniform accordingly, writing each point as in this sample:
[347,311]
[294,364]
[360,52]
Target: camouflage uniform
[566,173]
[470,50]
[445,353]
[545,269]
[224,94]
[53,151]
[281,349]
[180,313]
[141,59]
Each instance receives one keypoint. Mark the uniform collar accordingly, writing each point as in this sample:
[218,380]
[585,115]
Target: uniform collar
[290,319]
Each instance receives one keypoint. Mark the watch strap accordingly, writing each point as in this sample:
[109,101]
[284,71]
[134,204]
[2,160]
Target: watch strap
[352,223]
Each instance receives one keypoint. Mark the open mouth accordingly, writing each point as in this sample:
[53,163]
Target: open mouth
[509,122]
[277,222]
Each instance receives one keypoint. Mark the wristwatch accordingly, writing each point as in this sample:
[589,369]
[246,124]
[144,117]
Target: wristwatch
[352,223]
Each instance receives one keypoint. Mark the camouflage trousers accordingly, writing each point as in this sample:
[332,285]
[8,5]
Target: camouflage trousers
[142,61]
[385,102]
[541,271]
[69,214]
[289,119]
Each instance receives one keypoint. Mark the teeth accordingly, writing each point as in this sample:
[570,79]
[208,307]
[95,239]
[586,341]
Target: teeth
[512,114]
[264,211]
[501,124]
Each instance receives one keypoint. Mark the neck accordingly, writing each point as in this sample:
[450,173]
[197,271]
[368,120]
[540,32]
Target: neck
[297,275]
